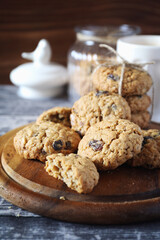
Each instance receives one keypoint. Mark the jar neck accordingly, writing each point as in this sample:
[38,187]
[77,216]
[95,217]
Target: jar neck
[100,39]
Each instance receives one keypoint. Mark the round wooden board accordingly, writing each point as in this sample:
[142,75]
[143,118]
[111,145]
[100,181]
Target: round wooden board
[124,195]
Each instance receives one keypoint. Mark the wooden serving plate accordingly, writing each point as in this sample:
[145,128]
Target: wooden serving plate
[124,195]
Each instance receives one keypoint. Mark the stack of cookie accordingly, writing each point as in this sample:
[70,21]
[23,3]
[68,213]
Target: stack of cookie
[139,105]
[55,144]
[95,134]
[136,83]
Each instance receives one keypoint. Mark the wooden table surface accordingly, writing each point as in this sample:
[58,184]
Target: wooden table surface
[16,223]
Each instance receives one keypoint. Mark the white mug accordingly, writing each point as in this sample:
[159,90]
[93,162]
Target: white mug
[141,49]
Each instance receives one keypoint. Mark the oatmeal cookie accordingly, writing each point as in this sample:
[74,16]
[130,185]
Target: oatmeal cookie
[138,103]
[37,141]
[141,118]
[56,115]
[111,143]
[149,157]
[81,73]
[135,82]
[79,173]
[95,107]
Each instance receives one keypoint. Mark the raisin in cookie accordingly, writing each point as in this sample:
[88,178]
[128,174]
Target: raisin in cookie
[149,157]
[111,143]
[141,118]
[56,115]
[135,82]
[95,107]
[40,140]
[138,103]
[79,173]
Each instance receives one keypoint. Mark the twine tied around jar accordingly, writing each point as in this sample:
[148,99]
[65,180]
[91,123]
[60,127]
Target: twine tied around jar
[124,63]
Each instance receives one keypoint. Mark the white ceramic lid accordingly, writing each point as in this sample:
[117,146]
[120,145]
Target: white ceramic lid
[41,72]
[31,75]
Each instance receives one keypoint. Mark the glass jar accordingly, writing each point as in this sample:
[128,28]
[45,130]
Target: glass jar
[86,54]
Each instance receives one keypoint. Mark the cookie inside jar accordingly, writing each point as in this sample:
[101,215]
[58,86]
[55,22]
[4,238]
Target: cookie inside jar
[85,54]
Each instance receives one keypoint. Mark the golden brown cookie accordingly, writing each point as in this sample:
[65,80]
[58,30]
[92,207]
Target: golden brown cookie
[142,119]
[56,115]
[111,143]
[37,141]
[95,107]
[136,82]
[138,103]
[149,157]
[81,72]
[79,173]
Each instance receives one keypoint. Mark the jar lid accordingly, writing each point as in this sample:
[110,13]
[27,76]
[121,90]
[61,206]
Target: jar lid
[41,78]
[111,30]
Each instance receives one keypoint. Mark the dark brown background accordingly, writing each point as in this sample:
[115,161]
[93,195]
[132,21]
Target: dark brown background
[24,22]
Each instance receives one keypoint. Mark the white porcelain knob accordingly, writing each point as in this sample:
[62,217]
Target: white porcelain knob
[41,55]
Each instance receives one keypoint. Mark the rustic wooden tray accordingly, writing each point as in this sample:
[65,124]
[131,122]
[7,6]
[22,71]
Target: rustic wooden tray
[124,195]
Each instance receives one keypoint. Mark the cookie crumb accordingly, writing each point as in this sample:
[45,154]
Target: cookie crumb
[62,198]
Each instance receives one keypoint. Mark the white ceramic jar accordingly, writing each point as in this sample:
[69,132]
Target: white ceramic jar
[142,49]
